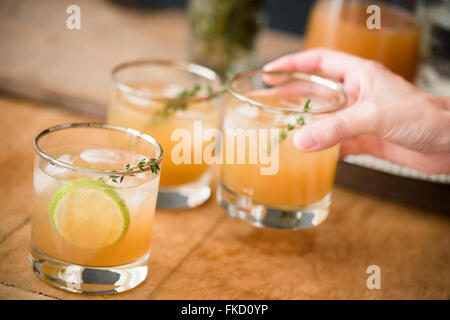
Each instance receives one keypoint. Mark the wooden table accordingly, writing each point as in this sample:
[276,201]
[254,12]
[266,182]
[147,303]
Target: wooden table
[200,253]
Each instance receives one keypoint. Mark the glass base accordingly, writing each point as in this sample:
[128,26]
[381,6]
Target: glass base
[184,196]
[260,215]
[90,280]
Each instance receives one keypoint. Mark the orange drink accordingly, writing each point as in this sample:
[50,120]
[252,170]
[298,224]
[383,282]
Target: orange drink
[161,99]
[342,25]
[305,177]
[95,189]
[293,189]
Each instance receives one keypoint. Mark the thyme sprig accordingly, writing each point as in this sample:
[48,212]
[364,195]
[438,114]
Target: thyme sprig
[172,107]
[299,121]
[143,165]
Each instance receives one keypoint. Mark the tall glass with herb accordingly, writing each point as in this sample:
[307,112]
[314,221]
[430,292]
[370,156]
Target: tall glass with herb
[176,102]
[223,33]
[264,178]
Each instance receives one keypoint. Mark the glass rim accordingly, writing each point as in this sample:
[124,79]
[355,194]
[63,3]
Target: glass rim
[98,125]
[333,85]
[189,67]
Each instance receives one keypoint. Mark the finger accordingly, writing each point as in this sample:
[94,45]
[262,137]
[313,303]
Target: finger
[362,144]
[327,132]
[330,63]
[350,147]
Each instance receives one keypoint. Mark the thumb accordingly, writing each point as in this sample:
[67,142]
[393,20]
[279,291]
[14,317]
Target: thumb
[334,128]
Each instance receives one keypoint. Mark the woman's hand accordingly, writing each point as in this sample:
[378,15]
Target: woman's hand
[387,116]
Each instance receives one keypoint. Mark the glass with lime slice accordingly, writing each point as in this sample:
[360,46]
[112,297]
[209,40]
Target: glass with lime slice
[95,189]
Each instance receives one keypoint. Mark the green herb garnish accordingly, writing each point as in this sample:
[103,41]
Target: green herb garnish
[209,89]
[143,165]
[229,75]
[283,134]
[171,107]
[306,106]
[299,121]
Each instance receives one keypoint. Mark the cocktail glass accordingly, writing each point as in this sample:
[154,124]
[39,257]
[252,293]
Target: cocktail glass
[382,30]
[176,102]
[264,178]
[95,189]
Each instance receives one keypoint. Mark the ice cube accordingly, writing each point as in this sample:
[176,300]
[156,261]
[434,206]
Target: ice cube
[41,181]
[66,158]
[54,170]
[247,111]
[285,120]
[240,116]
[139,101]
[135,196]
[43,178]
[172,90]
[95,156]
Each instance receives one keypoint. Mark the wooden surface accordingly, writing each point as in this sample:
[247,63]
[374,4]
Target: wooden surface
[203,253]
[199,253]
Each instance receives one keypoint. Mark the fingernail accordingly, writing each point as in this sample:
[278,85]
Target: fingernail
[267,67]
[305,139]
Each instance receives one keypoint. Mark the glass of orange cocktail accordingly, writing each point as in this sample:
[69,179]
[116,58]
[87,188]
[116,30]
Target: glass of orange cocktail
[95,189]
[171,101]
[273,184]
[346,25]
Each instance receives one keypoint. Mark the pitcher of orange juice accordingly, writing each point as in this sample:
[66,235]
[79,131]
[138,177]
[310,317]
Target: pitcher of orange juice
[386,31]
